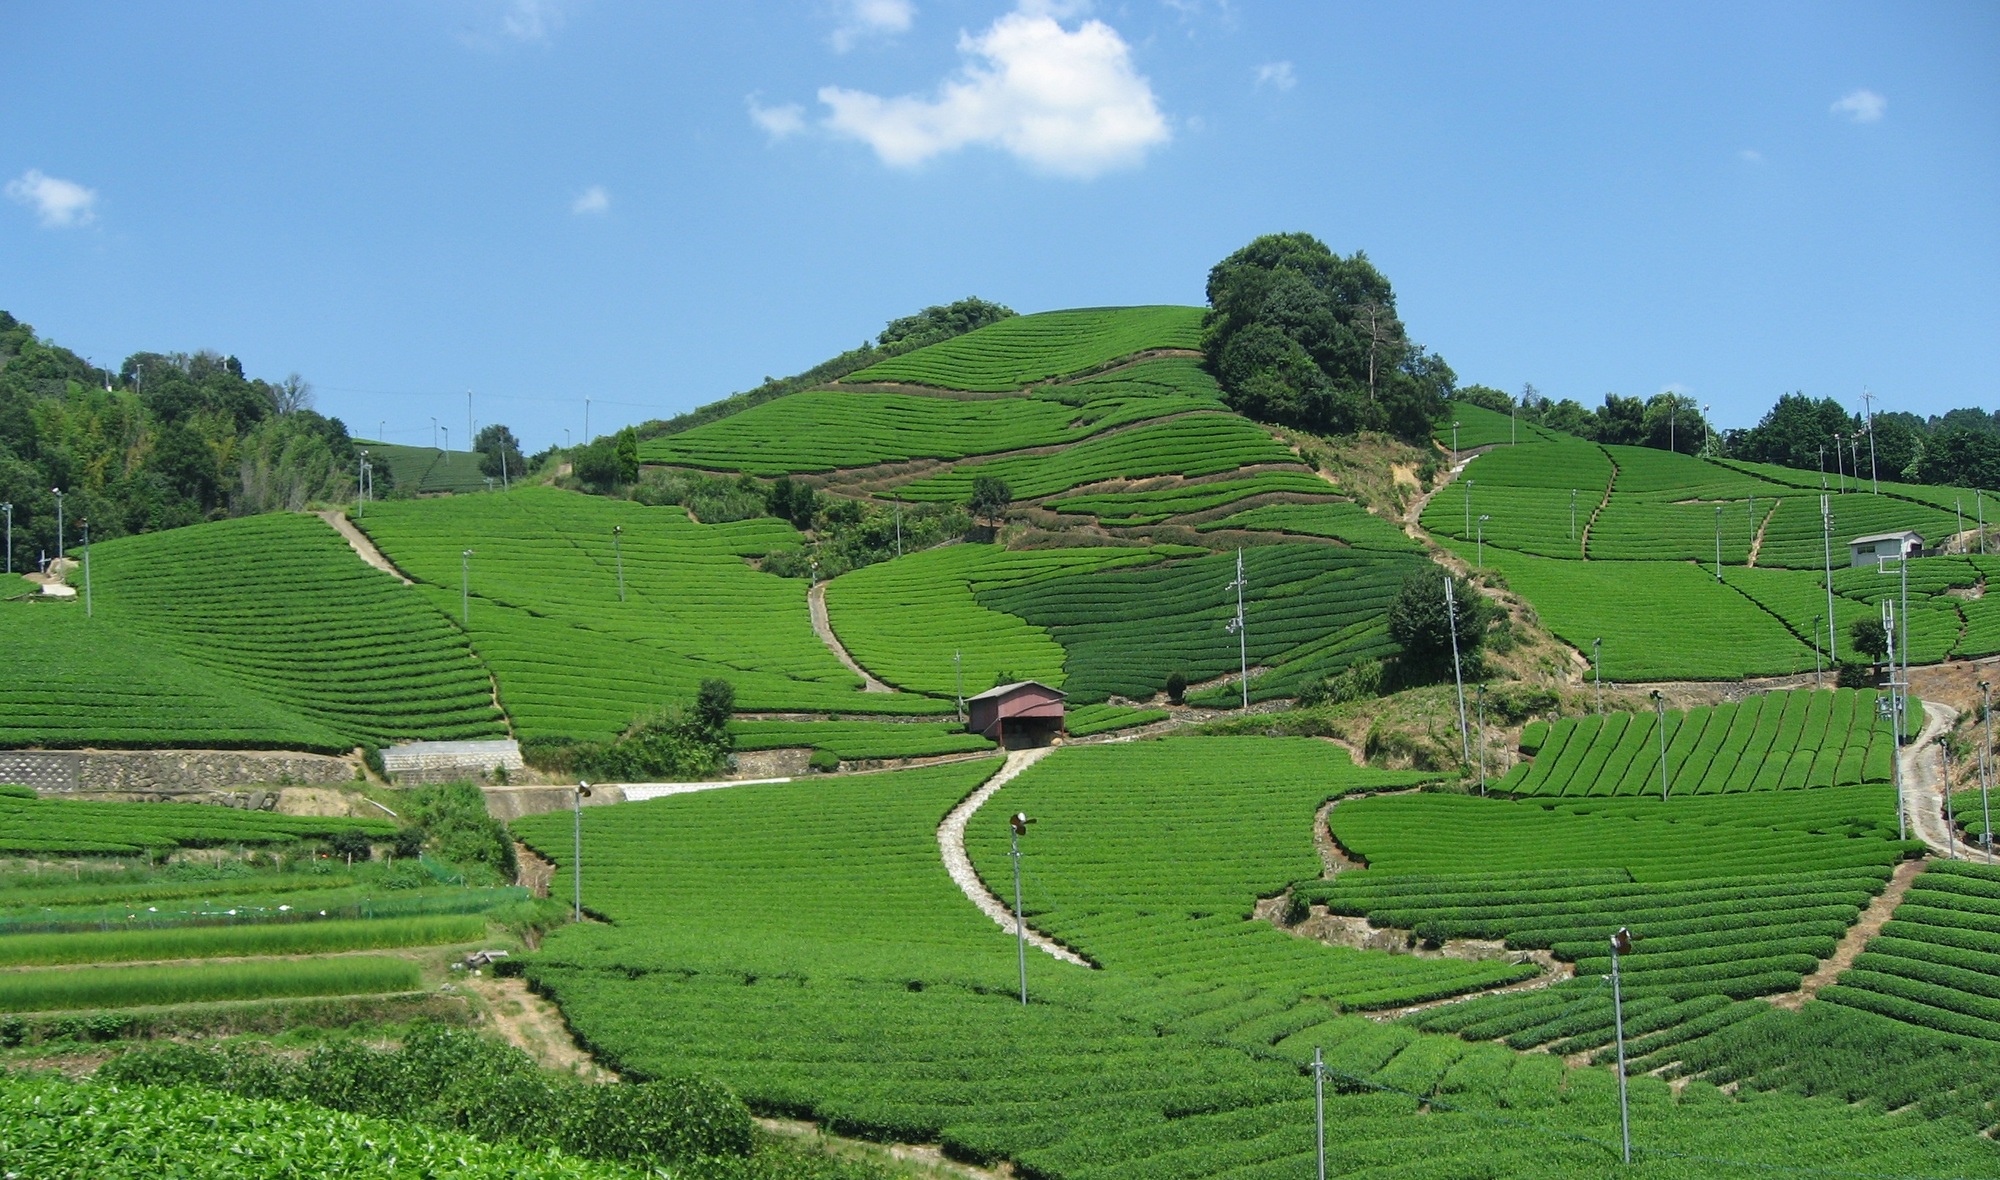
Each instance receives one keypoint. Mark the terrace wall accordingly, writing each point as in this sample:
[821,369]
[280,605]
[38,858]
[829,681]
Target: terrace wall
[164,771]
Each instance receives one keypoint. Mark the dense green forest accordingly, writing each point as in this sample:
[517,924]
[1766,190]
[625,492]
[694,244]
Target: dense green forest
[168,439]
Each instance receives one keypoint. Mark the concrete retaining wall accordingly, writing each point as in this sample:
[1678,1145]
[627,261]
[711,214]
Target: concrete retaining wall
[140,772]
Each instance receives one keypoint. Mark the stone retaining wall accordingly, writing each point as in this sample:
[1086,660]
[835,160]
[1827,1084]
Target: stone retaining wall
[138,772]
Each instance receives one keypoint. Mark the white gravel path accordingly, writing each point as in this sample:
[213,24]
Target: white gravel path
[823,627]
[951,842]
[363,547]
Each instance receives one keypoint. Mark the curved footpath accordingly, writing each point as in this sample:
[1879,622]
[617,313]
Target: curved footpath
[951,842]
[823,627]
[1924,786]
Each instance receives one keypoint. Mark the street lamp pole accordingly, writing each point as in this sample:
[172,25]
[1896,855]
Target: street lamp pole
[1019,823]
[1242,633]
[618,530]
[1621,943]
[576,860]
[1468,506]
[1839,475]
[465,587]
[434,432]
[1895,719]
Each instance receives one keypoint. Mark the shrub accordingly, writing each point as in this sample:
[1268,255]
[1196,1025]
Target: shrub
[1177,683]
[352,844]
[824,761]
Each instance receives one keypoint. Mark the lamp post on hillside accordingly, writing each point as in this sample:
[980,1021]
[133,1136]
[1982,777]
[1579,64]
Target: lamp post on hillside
[1480,543]
[1319,1111]
[465,587]
[1986,770]
[360,483]
[1468,506]
[8,508]
[1826,540]
[576,857]
[1950,815]
[59,521]
[1597,670]
[434,432]
[1454,444]
[618,530]
[1660,712]
[1019,823]
[1451,624]
[1621,944]
[1236,626]
[1895,704]
[1839,473]
[1572,514]
[1718,542]
[87,611]
[1481,686]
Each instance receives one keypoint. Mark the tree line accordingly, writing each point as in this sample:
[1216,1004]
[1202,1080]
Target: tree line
[166,439]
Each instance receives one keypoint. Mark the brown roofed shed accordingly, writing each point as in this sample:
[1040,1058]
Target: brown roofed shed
[1025,709]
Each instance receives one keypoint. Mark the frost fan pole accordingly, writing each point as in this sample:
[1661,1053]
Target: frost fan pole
[1985,770]
[1621,943]
[1319,1112]
[1457,677]
[1826,538]
[1020,823]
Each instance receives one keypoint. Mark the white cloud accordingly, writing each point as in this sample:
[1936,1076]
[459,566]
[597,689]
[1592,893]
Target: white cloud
[1066,102]
[60,204]
[1862,106]
[532,20]
[1277,73]
[1750,156]
[780,122]
[592,201]
[872,18]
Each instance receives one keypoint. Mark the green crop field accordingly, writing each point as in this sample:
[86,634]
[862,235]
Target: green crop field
[1190,445]
[1527,492]
[1770,741]
[72,826]
[885,1008]
[1728,897]
[903,620]
[848,740]
[271,619]
[1025,349]
[428,470]
[1481,427]
[571,660]
[1340,520]
[1309,611]
[1660,620]
[822,430]
[1936,964]
[55,988]
[215,942]
[1153,505]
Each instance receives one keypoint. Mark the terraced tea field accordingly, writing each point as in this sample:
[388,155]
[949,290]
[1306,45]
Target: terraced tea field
[264,630]
[1017,352]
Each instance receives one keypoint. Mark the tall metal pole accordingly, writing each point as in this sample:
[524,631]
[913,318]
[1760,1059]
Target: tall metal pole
[1839,475]
[1319,1111]
[1468,506]
[618,530]
[1242,633]
[59,521]
[1826,539]
[465,587]
[360,483]
[1718,542]
[1454,444]
[1480,546]
[1816,673]
[9,510]
[1597,669]
[1482,736]
[1660,711]
[1457,677]
[1621,941]
[1572,514]
[87,611]
[1895,719]
[576,861]
[434,432]
[1985,770]
[1950,815]
[1868,400]
[1019,823]
[469,439]
[899,524]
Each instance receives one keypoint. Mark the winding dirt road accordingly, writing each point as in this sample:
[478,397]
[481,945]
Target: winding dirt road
[951,842]
[816,603]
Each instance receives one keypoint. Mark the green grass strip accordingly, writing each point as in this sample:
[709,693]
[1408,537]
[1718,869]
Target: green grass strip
[202,942]
[124,987]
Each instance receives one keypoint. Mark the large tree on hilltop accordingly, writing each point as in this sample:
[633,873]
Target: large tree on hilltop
[1299,335]
[1795,431]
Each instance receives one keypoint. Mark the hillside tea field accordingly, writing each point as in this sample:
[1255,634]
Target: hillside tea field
[1017,352]
[570,659]
[74,827]
[270,625]
[886,1009]
[1190,445]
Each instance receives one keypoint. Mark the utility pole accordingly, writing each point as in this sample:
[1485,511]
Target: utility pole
[1985,770]
[1020,823]
[1454,444]
[360,484]
[1482,737]
[1457,678]
[1826,539]
[576,863]
[1621,943]
[1660,711]
[1895,719]
[1868,400]
[1237,628]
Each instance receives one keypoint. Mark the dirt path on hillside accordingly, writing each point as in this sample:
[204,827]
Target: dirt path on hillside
[823,627]
[1413,514]
[1757,542]
[535,1026]
[951,843]
[1924,786]
[362,546]
[1856,939]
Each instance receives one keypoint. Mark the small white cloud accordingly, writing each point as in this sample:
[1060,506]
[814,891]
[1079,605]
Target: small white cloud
[1278,74]
[532,20]
[779,122]
[591,202]
[872,18]
[59,204]
[1750,156]
[1066,102]
[1861,106]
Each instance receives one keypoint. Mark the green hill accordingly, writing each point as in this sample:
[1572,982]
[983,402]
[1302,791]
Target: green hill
[1021,350]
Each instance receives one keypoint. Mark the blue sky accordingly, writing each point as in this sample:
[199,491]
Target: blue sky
[653,205]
